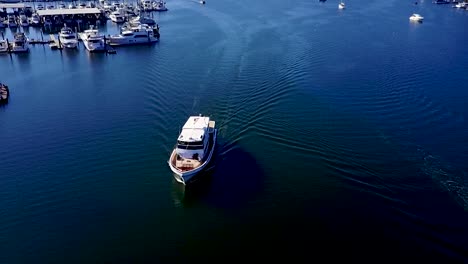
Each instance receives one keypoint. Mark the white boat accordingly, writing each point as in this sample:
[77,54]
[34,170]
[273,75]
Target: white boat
[12,22]
[24,21]
[416,17]
[147,5]
[20,43]
[135,35]
[3,46]
[50,7]
[71,6]
[461,5]
[341,5]
[68,38]
[117,17]
[194,149]
[40,7]
[35,20]
[62,6]
[82,5]
[160,6]
[92,40]
[144,20]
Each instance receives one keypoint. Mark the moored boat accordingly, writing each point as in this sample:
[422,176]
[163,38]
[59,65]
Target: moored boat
[68,38]
[194,149]
[4,93]
[92,40]
[20,43]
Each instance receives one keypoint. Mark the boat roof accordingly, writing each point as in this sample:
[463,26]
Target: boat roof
[78,11]
[194,128]
[15,5]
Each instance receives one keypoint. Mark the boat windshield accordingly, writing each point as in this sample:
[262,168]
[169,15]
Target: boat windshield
[190,145]
[68,37]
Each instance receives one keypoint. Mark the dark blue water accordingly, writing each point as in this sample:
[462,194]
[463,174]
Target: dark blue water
[342,136]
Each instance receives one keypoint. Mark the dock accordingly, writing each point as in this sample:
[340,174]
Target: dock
[54,43]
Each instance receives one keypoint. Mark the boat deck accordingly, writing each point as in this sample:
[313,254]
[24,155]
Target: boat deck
[186,164]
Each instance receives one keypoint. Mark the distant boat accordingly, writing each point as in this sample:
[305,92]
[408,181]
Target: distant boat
[416,18]
[92,40]
[341,5]
[3,46]
[140,34]
[20,43]
[68,38]
[116,17]
[160,6]
[4,93]
[144,20]
[194,149]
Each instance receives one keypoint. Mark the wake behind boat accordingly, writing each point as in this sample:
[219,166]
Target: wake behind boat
[194,149]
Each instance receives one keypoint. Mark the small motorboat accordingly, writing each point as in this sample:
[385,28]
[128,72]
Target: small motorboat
[3,46]
[416,18]
[341,5]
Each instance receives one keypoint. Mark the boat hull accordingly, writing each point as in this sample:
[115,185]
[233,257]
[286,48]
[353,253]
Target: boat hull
[127,42]
[185,177]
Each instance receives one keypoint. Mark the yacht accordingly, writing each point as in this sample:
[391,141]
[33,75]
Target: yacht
[71,6]
[24,21]
[416,17]
[35,20]
[40,7]
[144,20]
[92,40]
[160,6]
[341,5]
[68,38]
[3,46]
[62,6]
[461,5]
[147,5]
[50,7]
[117,17]
[82,5]
[20,43]
[135,35]
[194,148]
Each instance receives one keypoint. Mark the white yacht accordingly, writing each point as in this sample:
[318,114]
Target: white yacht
[135,35]
[3,46]
[71,6]
[160,6]
[92,40]
[24,21]
[50,7]
[147,5]
[62,6]
[35,20]
[117,17]
[68,38]
[144,20]
[194,149]
[20,43]
[416,17]
[40,7]
[461,5]
[341,5]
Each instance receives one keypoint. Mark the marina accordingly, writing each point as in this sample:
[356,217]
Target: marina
[64,24]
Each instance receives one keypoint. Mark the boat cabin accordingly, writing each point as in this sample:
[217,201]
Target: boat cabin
[193,139]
